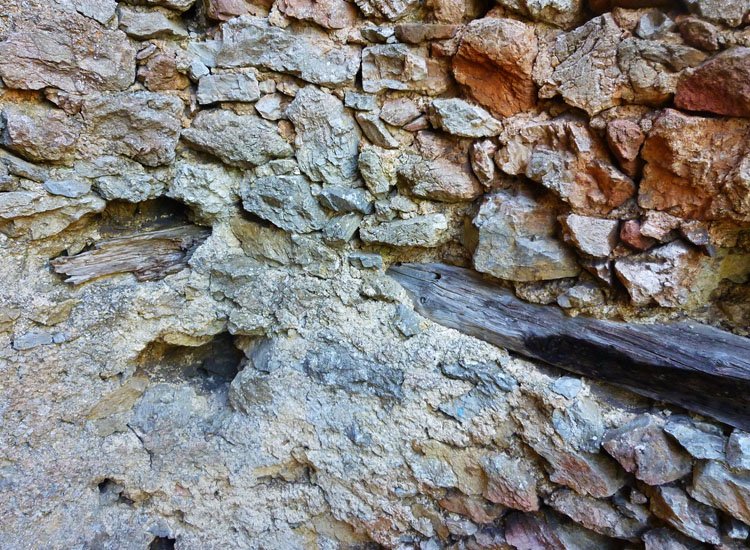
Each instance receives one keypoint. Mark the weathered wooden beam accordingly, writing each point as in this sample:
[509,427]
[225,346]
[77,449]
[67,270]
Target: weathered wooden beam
[150,256]
[698,367]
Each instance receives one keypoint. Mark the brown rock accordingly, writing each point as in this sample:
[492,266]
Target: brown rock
[666,539]
[699,33]
[565,156]
[475,508]
[664,275]
[695,520]
[683,174]
[414,33]
[160,74]
[67,51]
[548,531]
[720,85]
[643,449]
[39,134]
[602,6]
[600,516]
[592,236]
[510,482]
[482,163]
[399,111]
[715,485]
[495,62]
[331,14]
[660,226]
[630,234]
[625,138]
[223,10]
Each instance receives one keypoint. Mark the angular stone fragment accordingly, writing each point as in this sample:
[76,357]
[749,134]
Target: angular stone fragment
[67,188]
[42,215]
[547,531]
[360,102]
[664,275]
[702,440]
[720,85]
[598,515]
[67,51]
[391,10]
[376,131]
[426,231]
[685,177]
[495,61]
[341,229]
[461,118]
[399,111]
[285,201]
[331,14]
[365,260]
[510,482]
[406,321]
[144,126]
[210,189]
[345,199]
[441,172]
[699,33]
[160,73]
[666,539]
[586,294]
[565,156]
[402,67]
[119,178]
[415,33]
[177,5]
[240,140]
[482,162]
[630,234]
[738,450]
[99,10]
[593,236]
[142,25]
[228,87]
[625,138]
[224,10]
[39,134]
[695,520]
[728,12]
[642,448]
[272,106]
[715,485]
[327,136]
[585,71]
[654,24]
[517,239]
[309,55]
[378,169]
[561,13]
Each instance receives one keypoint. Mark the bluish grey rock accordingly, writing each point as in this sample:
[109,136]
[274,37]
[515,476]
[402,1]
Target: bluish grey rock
[567,386]
[341,229]
[285,201]
[227,87]
[345,199]
[701,439]
[580,425]
[461,118]
[488,376]
[366,260]
[327,139]
[240,140]
[427,231]
[376,131]
[359,102]
[310,55]
[692,518]
[67,188]
[406,321]
[145,24]
[31,340]
[272,106]
[738,450]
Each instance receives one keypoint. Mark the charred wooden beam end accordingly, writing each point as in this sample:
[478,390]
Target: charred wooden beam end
[698,367]
[150,256]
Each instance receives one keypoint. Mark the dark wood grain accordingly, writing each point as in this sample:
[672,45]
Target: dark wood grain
[696,366]
[149,255]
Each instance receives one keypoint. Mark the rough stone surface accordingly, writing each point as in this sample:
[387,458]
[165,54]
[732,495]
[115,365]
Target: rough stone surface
[664,275]
[66,51]
[494,62]
[682,176]
[227,87]
[327,136]
[311,55]
[246,373]
[240,140]
[517,240]
[642,448]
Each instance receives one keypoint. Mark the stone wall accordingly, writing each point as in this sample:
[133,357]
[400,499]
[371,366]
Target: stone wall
[200,347]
